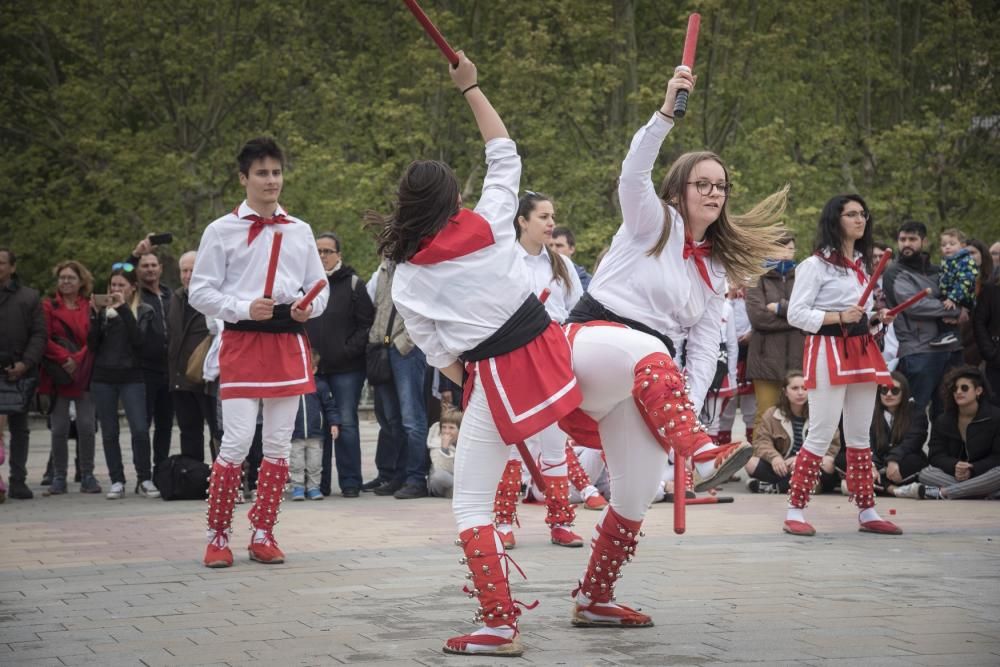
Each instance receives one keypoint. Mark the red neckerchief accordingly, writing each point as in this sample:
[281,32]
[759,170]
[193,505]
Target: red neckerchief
[857,266]
[465,233]
[699,253]
[258,223]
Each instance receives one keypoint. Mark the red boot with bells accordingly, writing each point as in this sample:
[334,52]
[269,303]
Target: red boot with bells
[264,514]
[223,488]
[661,393]
[804,478]
[861,489]
[505,503]
[484,554]
[581,481]
[615,545]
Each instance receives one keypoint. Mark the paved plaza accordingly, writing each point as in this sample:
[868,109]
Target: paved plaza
[376,581]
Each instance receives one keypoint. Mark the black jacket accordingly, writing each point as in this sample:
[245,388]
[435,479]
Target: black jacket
[186,328]
[117,344]
[982,446]
[986,323]
[340,334]
[154,347]
[912,443]
[22,326]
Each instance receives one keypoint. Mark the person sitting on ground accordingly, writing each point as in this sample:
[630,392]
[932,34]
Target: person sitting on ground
[779,437]
[442,438]
[964,449]
[316,410]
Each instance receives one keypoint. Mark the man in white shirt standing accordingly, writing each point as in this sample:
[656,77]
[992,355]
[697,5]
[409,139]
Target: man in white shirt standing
[264,355]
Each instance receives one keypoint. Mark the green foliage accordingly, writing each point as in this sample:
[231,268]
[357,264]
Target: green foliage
[124,118]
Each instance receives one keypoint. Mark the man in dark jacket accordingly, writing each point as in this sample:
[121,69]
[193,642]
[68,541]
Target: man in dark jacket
[187,330]
[159,407]
[22,342]
[340,335]
[917,326]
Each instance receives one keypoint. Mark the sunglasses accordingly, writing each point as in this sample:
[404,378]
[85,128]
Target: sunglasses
[961,388]
[895,391]
[122,266]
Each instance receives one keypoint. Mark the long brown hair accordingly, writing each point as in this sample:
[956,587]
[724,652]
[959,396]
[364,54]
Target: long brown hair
[525,207]
[784,405]
[885,438]
[86,278]
[741,243]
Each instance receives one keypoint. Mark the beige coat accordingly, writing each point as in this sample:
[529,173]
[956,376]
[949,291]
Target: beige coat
[772,439]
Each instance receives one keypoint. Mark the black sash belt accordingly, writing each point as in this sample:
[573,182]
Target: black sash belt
[281,322]
[859,328]
[589,309]
[527,323]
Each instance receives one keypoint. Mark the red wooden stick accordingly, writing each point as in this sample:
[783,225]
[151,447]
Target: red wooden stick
[710,500]
[433,32]
[691,40]
[909,302]
[312,294]
[272,265]
[680,493]
[876,274]
[536,475]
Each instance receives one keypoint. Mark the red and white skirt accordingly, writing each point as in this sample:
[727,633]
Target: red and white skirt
[529,388]
[850,360]
[254,364]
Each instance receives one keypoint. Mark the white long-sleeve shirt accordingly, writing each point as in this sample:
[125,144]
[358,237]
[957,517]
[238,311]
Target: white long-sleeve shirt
[453,305]
[821,287]
[229,274]
[666,293]
[561,300]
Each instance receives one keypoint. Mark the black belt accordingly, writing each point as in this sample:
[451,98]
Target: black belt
[527,323]
[588,309]
[859,328]
[281,322]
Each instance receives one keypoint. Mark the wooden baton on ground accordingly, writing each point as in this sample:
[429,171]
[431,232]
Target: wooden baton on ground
[680,492]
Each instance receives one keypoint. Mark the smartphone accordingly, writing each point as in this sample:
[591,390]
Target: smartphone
[102,300]
[161,239]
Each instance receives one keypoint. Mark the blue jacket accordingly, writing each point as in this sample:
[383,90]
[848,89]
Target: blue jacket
[317,412]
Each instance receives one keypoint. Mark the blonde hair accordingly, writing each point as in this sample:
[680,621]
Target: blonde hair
[452,416]
[741,243]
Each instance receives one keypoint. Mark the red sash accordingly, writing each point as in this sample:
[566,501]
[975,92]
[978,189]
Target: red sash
[254,364]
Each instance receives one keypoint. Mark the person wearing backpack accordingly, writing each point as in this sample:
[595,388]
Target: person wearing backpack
[340,335]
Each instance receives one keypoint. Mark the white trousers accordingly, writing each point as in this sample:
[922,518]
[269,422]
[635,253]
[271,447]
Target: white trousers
[856,402]
[239,421]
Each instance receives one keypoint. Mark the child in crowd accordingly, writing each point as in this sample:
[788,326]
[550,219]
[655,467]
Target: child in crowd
[442,439]
[957,280]
[306,462]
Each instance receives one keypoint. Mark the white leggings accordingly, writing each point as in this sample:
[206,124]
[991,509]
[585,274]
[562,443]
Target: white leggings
[604,360]
[239,421]
[827,402]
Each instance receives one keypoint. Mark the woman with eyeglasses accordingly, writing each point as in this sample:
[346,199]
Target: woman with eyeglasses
[67,322]
[842,363]
[897,437]
[116,336]
[964,448]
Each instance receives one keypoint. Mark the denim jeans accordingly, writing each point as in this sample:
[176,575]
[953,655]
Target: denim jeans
[408,380]
[133,398]
[346,388]
[924,371]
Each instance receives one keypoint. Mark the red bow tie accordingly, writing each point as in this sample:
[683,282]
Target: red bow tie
[258,224]
[700,253]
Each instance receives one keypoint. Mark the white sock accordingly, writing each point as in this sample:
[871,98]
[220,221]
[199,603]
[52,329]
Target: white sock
[504,631]
[583,601]
[869,515]
[219,539]
[705,468]
[795,514]
[589,491]
[259,536]
[505,528]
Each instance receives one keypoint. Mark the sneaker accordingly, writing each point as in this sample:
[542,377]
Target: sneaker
[298,493]
[730,459]
[56,488]
[19,491]
[88,484]
[933,493]
[147,489]
[914,490]
[315,494]
[350,492]
[757,486]
[117,491]
[46,479]
[595,502]
[374,484]
[946,339]
[411,491]
[387,488]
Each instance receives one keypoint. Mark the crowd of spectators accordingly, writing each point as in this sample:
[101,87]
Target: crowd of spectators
[88,346]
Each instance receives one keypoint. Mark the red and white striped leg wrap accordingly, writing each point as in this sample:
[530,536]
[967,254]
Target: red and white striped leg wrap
[263,515]
[223,487]
[508,493]
[661,393]
[614,546]
[804,478]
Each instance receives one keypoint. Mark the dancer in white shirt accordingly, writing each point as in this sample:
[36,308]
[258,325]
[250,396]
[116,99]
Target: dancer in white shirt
[265,355]
[841,362]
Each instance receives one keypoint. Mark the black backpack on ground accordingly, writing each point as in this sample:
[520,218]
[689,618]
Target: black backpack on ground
[182,478]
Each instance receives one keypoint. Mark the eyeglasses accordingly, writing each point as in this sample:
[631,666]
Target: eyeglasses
[857,215]
[327,251]
[961,388]
[895,391]
[704,188]
[122,266]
